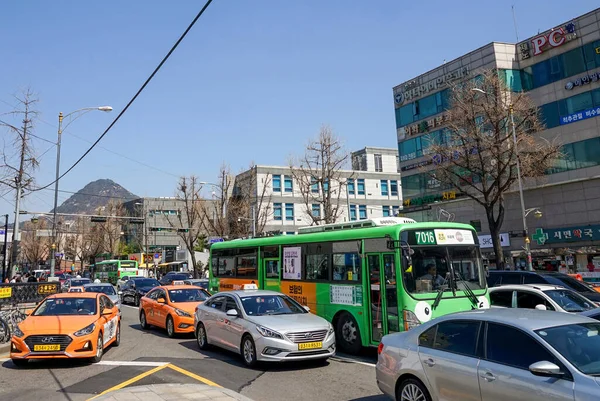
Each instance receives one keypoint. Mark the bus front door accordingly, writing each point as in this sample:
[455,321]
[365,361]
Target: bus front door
[382,295]
[271,274]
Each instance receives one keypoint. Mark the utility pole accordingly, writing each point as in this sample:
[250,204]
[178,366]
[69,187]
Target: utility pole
[54,244]
[4,248]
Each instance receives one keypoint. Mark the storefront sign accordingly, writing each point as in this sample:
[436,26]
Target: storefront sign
[412,90]
[549,40]
[454,237]
[545,236]
[429,199]
[593,77]
[422,127]
[485,241]
[582,115]
[345,295]
[415,165]
[292,266]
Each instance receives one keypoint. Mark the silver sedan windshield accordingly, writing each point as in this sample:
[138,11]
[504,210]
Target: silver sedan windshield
[258,305]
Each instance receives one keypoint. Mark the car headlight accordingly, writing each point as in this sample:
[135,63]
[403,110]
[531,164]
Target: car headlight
[331,330]
[17,331]
[182,313]
[85,331]
[265,332]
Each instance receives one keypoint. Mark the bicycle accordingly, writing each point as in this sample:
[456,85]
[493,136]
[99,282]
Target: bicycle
[8,322]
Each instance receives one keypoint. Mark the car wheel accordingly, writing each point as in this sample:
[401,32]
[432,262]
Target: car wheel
[412,390]
[201,337]
[117,341]
[20,363]
[99,349]
[348,334]
[143,323]
[170,327]
[248,351]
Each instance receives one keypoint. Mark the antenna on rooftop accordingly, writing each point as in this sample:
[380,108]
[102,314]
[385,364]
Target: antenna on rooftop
[515,22]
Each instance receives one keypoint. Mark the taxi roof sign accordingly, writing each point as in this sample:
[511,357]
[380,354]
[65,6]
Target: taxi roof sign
[250,287]
[178,282]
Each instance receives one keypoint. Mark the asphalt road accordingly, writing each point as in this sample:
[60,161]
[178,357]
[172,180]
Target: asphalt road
[147,357]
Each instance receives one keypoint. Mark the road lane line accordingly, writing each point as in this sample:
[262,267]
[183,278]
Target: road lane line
[130,381]
[131,363]
[194,376]
[348,360]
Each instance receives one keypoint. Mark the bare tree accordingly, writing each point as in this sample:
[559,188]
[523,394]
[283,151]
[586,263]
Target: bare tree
[111,230]
[319,178]
[215,213]
[189,221]
[479,156]
[34,248]
[250,203]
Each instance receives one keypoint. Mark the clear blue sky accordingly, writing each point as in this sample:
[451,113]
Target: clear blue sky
[252,82]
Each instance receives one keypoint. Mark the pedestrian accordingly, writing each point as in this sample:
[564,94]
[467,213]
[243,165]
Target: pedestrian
[31,279]
[6,280]
[590,266]
[13,280]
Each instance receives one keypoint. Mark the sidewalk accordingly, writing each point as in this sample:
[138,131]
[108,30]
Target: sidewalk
[158,392]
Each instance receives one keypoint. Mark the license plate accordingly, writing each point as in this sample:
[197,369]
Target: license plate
[47,347]
[313,345]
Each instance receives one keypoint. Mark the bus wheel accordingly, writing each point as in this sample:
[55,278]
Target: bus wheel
[348,334]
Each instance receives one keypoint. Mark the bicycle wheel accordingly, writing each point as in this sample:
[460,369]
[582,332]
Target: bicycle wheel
[4,331]
[18,316]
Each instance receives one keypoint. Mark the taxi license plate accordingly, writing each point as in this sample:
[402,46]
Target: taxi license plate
[47,347]
[313,345]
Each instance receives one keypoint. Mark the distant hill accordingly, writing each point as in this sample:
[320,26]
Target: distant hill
[94,195]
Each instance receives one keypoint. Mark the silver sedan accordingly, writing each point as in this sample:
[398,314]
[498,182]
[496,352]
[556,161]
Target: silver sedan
[494,355]
[263,326]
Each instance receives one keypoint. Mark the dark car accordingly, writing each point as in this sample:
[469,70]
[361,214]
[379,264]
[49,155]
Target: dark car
[503,277]
[169,278]
[593,313]
[135,288]
[198,282]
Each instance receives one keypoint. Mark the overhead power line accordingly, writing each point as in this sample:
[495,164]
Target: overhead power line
[158,67]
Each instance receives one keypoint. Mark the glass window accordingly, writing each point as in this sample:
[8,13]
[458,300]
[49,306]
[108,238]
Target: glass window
[386,211]
[317,267]
[314,185]
[384,188]
[216,303]
[378,163]
[395,210]
[580,102]
[573,62]
[529,300]
[288,183]
[394,187]
[246,264]
[412,185]
[352,212]
[289,211]
[277,211]
[591,56]
[361,186]
[326,185]
[427,337]
[502,298]
[586,153]
[350,186]
[346,267]
[427,106]
[290,233]
[459,337]
[570,301]
[276,183]
[404,115]
[316,210]
[230,304]
[362,212]
[533,279]
[520,352]
[272,268]
[259,305]
[188,295]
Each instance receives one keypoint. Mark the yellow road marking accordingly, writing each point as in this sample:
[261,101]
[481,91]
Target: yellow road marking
[130,381]
[193,375]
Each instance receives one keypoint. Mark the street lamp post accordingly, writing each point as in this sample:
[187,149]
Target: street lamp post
[58,142]
[146,250]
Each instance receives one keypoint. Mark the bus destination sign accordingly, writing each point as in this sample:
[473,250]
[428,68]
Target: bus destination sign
[425,237]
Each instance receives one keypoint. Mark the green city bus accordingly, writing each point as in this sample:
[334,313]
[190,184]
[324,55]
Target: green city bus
[109,271]
[368,278]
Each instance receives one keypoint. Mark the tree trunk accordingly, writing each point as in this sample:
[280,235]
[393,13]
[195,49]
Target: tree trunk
[193,256]
[495,225]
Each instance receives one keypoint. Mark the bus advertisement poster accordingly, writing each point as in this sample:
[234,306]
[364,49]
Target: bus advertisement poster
[292,259]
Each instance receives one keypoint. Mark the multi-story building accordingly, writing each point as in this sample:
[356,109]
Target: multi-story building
[281,205]
[560,70]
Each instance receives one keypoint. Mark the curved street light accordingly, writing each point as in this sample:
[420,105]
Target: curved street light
[77,113]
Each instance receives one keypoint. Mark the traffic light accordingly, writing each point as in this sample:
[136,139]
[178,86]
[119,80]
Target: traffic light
[98,219]
[183,230]
[136,221]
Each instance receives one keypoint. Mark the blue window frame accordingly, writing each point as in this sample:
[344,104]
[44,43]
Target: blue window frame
[316,210]
[288,183]
[314,185]
[277,211]
[362,212]
[352,212]
[326,185]
[289,211]
[386,211]
[277,183]
[360,183]
[394,187]
[351,186]
[384,188]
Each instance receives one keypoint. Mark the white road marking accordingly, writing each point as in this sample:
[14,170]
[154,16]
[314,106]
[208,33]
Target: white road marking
[348,360]
[131,363]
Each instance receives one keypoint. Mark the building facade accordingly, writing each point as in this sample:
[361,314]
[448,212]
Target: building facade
[560,70]
[280,206]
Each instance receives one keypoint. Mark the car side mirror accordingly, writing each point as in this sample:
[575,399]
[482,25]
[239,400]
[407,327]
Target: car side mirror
[161,301]
[232,313]
[541,307]
[545,369]
[306,308]
[107,312]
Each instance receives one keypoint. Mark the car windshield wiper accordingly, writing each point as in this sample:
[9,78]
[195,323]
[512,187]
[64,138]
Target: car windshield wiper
[470,294]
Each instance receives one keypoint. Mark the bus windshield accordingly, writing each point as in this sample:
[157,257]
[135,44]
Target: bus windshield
[432,269]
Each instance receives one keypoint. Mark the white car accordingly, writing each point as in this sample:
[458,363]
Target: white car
[263,326]
[122,280]
[539,296]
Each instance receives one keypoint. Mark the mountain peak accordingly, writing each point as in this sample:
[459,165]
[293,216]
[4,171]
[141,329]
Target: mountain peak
[94,195]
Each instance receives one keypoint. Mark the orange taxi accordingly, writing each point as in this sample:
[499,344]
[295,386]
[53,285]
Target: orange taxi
[67,325]
[171,307]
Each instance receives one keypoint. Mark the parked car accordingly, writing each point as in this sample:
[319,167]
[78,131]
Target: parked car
[172,308]
[503,277]
[198,282]
[106,289]
[493,354]
[170,277]
[263,326]
[539,296]
[135,288]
